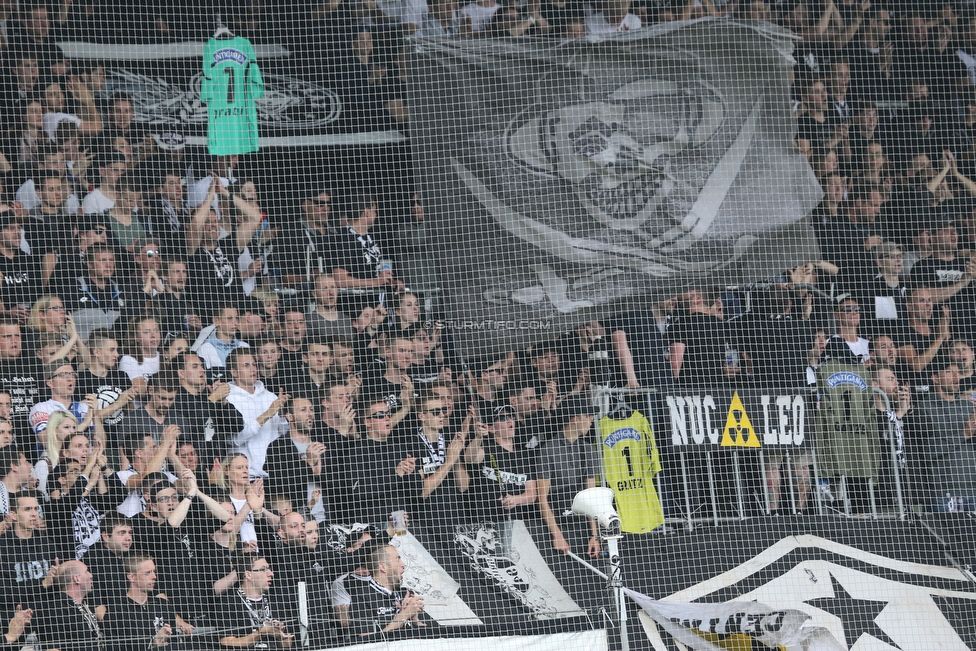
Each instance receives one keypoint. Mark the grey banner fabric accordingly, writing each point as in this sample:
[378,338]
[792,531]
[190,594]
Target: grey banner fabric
[566,179]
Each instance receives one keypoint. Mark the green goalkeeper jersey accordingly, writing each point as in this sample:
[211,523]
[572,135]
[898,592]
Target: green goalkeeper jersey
[231,84]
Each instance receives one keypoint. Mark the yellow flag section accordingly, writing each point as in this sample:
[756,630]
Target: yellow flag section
[630,461]
[738,428]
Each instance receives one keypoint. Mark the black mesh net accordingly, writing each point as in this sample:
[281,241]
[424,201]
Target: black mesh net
[508,325]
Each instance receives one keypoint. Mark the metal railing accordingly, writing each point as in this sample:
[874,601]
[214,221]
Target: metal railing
[693,490]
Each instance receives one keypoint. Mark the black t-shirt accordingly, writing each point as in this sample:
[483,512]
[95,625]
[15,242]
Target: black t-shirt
[513,468]
[45,233]
[109,582]
[877,301]
[213,276]
[209,426]
[135,625]
[23,565]
[377,490]
[301,385]
[377,387]
[165,225]
[175,550]
[22,380]
[648,347]
[289,475]
[216,562]
[358,254]
[306,252]
[372,607]
[337,480]
[69,626]
[932,272]
[704,358]
[21,279]
[240,615]
[778,348]
[444,503]
[107,389]
[173,311]
[817,133]
[909,337]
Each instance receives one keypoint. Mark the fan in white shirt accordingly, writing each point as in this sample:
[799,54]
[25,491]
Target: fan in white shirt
[259,408]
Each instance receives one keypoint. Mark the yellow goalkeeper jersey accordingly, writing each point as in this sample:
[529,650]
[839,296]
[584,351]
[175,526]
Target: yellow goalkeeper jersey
[630,461]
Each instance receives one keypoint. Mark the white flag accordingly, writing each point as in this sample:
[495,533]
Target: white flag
[706,627]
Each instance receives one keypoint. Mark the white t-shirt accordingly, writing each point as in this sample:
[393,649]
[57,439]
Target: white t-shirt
[96,202]
[52,120]
[42,470]
[135,503]
[248,533]
[405,11]
[597,24]
[254,439]
[132,368]
[27,195]
[860,348]
[480,16]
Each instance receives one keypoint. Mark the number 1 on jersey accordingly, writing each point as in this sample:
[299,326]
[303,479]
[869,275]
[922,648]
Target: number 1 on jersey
[630,465]
[229,71]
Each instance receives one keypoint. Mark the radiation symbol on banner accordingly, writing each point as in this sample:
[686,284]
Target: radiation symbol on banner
[738,428]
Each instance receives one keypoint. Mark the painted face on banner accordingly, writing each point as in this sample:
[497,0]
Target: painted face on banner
[617,153]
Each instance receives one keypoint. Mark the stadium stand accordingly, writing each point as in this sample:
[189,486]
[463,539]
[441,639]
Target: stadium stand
[239,403]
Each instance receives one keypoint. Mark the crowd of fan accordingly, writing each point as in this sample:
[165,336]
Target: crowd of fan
[167,406]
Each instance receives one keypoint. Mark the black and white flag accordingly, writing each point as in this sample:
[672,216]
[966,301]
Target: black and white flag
[564,179]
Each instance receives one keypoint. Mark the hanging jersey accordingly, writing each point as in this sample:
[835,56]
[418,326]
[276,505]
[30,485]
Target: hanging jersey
[630,461]
[230,86]
[847,431]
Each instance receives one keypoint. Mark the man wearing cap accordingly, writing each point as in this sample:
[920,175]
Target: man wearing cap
[502,477]
[948,274]
[20,278]
[61,379]
[568,464]
[311,253]
[111,169]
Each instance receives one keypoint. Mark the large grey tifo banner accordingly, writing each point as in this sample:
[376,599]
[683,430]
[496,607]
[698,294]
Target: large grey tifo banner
[567,179]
